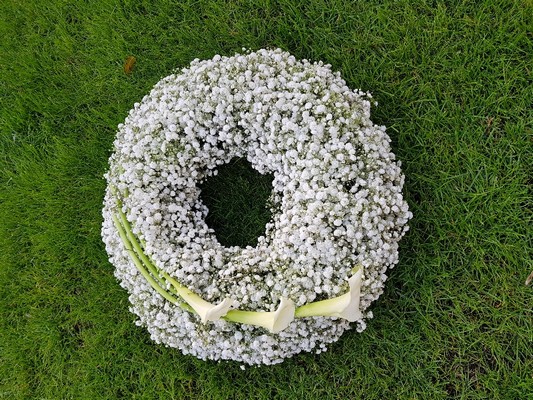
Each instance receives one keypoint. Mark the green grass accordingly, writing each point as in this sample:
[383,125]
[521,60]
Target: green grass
[238,202]
[454,81]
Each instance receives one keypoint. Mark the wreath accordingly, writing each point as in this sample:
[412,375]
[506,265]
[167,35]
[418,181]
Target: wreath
[336,202]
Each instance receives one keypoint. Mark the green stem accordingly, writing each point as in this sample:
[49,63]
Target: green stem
[317,308]
[138,263]
[180,289]
[128,235]
[244,317]
[138,249]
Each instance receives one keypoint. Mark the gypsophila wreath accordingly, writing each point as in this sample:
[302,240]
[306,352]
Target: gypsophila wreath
[337,208]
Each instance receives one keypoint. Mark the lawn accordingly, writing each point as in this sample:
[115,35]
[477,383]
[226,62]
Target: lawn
[454,82]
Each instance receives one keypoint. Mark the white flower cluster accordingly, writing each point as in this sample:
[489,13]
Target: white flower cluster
[336,200]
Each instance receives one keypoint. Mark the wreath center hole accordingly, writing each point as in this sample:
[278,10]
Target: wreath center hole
[237,199]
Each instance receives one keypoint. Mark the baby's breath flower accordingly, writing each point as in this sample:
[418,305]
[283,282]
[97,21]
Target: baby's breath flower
[336,205]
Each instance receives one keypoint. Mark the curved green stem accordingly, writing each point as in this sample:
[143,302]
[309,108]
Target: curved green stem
[138,249]
[128,237]
[139,265]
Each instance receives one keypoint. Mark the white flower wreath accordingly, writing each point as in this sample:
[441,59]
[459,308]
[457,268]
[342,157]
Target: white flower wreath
[337,208]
